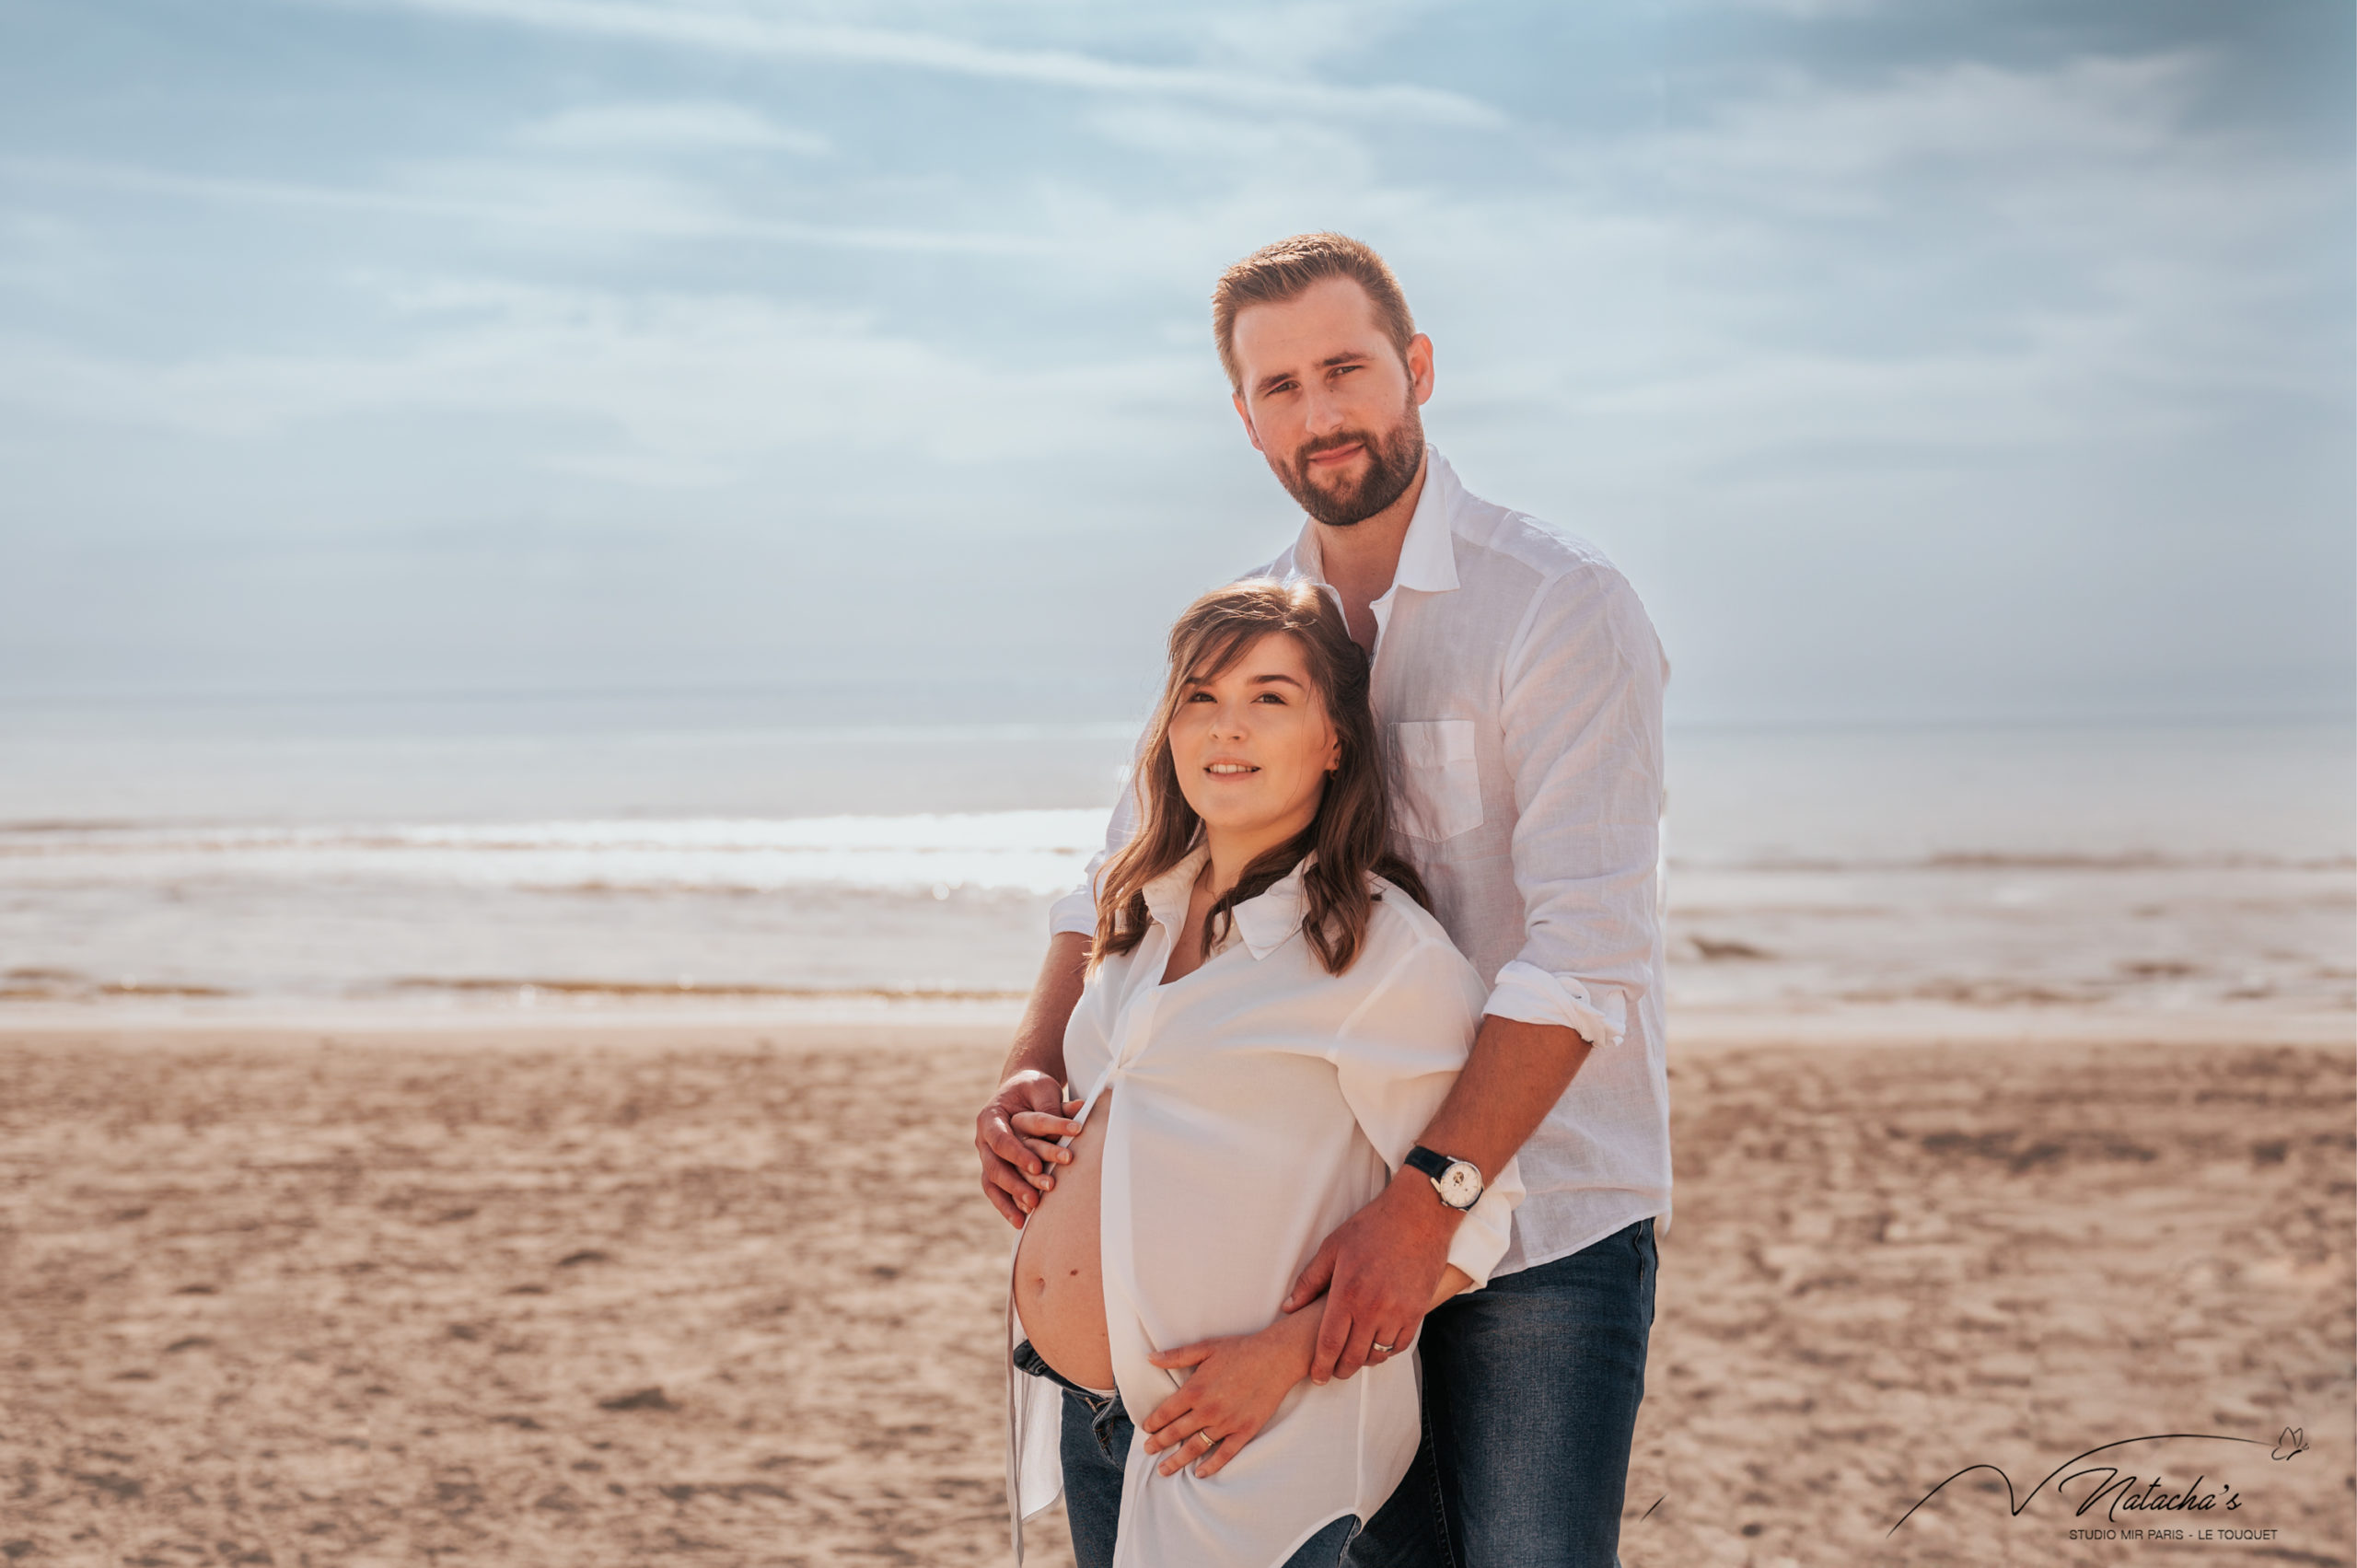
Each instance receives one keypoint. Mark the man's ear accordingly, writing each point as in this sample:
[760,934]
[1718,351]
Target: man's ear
[1419,368]
[1246,415]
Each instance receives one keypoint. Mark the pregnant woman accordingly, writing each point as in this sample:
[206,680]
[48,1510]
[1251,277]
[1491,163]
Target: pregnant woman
[1271,1020]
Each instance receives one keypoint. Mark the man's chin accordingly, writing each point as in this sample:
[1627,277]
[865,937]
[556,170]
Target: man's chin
[1337,504]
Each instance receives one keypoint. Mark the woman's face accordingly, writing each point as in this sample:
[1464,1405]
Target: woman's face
[1252,745]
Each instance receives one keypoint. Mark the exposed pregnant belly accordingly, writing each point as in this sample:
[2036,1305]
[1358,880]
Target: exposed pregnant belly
[1059,1264]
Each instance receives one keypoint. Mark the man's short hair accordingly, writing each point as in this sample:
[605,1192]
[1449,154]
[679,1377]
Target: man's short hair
[1275,273]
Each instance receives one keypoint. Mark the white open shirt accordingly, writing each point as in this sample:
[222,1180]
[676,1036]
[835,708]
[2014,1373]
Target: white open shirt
[1262,1103]
[1518,682]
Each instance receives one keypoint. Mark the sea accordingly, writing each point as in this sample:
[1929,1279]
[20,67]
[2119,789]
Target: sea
[626,854]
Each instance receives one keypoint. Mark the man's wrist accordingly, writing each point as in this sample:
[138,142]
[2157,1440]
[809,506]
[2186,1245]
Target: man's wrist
[1412,1193]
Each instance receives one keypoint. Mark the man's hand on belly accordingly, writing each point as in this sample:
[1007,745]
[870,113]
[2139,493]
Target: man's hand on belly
[1380,1273]
[1015,1135]
[1015,1132]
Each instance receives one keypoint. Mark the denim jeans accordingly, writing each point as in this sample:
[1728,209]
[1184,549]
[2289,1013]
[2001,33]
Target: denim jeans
[1531,1388]
[1096,1451]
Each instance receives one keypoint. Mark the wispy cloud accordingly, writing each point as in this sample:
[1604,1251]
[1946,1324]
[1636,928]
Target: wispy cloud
[641,210]
[668,390]
[1799,137]
[671,127]
[738,32]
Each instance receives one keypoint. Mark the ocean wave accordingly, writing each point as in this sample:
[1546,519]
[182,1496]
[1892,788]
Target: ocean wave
[937,855]
[688,987]
[2017,860]
[1056,831]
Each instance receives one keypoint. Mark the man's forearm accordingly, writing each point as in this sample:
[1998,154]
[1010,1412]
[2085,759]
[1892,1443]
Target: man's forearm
[1512,1078]
[1039,1038]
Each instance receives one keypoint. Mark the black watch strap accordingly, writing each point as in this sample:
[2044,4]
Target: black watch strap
[1423,1159]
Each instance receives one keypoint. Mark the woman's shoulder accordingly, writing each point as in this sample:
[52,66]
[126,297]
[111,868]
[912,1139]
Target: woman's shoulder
[1401,931]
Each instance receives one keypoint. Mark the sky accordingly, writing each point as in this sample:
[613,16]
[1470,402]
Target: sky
[1934,361]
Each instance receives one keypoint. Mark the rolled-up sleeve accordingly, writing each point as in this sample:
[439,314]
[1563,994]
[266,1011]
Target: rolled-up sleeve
[1397,1058]
[1581,714]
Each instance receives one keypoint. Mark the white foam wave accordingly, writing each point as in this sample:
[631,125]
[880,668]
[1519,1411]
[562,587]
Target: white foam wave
[1034,851]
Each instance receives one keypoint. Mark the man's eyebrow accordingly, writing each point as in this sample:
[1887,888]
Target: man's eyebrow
[1348,356]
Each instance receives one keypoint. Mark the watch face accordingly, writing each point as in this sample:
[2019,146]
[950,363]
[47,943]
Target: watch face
[1460,1185]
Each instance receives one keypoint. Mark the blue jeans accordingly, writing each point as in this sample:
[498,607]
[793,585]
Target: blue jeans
[1531,1388]
[1096,1451]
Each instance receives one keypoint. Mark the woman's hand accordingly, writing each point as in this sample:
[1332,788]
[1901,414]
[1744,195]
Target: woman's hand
[1238,1383]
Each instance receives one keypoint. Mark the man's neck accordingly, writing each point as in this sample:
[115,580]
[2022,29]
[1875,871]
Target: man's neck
[1362,560]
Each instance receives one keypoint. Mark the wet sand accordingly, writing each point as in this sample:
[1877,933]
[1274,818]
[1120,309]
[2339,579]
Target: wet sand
[484,1296]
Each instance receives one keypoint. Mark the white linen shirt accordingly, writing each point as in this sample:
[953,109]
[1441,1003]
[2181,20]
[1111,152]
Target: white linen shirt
[1518,683]
[1263,1101]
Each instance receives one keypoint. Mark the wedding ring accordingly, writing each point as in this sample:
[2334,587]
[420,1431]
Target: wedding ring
[1208,1441]
[1385,1348]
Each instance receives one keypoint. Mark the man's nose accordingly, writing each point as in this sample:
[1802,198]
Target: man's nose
[1324,413]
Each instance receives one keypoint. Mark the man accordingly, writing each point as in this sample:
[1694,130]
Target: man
[1519,681]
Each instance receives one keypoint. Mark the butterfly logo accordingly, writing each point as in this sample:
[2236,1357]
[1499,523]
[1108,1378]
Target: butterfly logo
[2294,1441]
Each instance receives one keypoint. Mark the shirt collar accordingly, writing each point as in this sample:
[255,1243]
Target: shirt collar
[1428,554]
[1262,923]
[1167,895]
[1427,551]
[1267,920]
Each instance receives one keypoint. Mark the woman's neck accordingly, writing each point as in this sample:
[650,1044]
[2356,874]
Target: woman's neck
[1232,851]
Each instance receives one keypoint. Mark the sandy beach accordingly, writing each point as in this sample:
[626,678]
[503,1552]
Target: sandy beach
[490,1294]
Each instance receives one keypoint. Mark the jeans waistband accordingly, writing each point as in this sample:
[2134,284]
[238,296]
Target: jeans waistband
[1031,1361]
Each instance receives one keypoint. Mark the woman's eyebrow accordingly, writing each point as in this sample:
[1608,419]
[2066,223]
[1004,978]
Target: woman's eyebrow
[1193,681]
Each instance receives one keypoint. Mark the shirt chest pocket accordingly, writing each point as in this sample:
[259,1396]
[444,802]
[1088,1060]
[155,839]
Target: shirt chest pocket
[1440,783]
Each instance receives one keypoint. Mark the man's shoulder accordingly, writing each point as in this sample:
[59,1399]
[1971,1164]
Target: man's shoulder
[1520,543]
[1554,576]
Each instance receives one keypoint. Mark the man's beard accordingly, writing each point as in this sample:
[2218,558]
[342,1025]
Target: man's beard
[1391,462]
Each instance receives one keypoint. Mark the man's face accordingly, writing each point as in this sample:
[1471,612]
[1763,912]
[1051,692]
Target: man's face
[1327,400]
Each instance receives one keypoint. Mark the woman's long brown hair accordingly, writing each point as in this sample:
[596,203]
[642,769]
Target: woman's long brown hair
[1352,833]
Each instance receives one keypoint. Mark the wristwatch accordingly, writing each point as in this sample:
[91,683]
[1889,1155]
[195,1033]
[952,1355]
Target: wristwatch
[1458,1182]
